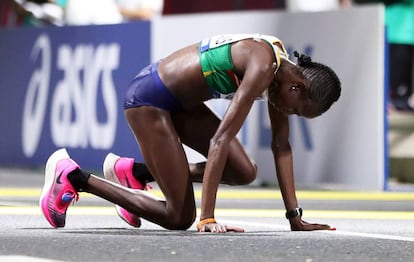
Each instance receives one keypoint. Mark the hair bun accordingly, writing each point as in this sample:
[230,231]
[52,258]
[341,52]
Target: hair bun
[303,59]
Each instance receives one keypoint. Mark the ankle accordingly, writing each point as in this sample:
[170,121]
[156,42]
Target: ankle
[79,180]
[141,173]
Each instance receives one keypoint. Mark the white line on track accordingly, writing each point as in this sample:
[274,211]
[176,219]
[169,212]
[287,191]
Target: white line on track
[372,235]
[336,232]
[111,211]
[17,258]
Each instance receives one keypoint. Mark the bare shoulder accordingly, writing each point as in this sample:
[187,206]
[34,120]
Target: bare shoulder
[251,52]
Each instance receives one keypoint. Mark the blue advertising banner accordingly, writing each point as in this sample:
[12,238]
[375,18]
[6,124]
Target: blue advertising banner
[64,87]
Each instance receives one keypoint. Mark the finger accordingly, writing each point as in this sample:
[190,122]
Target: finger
[235,229]
[210,228]
[319,227]
[325,227]
[328,227]
[313,226]
[220,229]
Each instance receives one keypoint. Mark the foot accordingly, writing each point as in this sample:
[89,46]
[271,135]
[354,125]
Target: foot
[119,170]
[58,193]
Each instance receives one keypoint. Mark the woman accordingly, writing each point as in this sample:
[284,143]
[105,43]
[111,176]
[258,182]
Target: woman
[164,107]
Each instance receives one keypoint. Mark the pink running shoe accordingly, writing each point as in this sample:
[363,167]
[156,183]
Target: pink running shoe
[57,193]
[119,170]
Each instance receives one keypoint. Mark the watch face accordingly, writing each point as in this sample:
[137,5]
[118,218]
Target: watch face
[294,213]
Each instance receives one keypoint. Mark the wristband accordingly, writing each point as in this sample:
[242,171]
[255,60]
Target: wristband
[204,222]
[294,213]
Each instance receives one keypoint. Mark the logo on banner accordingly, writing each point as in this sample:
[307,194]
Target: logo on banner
[79,99]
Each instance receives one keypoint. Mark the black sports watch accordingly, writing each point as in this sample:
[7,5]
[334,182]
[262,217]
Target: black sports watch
[294,213]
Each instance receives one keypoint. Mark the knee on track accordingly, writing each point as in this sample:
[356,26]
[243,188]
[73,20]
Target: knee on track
[180,222]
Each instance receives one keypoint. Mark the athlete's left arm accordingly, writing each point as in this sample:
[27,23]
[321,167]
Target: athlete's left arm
[282,154]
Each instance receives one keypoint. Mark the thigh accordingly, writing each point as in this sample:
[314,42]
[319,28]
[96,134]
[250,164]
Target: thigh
[163,155]
[197,126]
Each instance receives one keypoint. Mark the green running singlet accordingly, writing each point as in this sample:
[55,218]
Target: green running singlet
[217,64]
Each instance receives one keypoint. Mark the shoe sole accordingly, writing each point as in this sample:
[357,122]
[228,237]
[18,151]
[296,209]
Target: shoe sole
[137,221]
[50,173]
[109,173]
[108,168]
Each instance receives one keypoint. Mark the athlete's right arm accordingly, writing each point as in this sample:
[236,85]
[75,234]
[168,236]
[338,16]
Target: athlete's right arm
[258,74]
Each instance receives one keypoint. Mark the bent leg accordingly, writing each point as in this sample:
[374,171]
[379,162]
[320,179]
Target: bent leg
[196,127]
[135,201]
[166,160]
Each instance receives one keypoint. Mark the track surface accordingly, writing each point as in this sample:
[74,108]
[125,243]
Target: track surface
[371,226]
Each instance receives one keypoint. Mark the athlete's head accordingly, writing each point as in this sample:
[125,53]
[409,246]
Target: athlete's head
[324,86]
[307,89]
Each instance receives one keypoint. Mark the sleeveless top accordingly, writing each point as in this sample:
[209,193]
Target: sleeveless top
[217,64]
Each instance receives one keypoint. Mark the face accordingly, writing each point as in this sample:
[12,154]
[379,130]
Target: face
[288,95]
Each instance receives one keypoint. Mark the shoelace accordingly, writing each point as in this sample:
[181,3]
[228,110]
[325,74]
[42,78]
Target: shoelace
[70,196]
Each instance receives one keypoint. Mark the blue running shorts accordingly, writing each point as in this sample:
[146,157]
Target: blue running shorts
[147,89]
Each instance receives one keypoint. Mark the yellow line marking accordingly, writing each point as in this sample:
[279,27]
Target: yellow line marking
[221,212]
[254,194]
[19,192]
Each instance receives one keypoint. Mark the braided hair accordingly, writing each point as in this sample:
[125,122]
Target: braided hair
[325,86]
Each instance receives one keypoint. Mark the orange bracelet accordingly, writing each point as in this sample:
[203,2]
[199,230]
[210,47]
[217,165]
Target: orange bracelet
[204,222]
